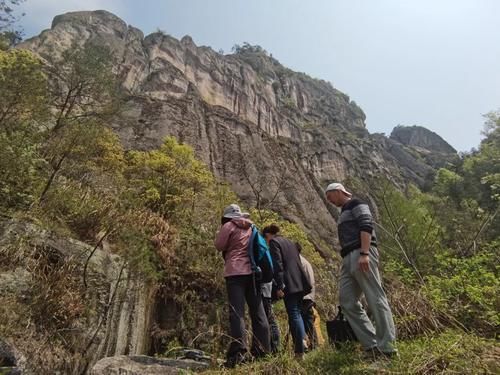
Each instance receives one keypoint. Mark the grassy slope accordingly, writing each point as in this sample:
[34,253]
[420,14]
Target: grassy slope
[450,352]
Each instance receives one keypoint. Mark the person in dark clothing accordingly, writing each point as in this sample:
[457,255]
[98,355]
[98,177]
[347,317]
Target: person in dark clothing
[268,308]
[291,282]
[232,240]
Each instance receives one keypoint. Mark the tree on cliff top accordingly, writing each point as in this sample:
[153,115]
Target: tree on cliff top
[9,35]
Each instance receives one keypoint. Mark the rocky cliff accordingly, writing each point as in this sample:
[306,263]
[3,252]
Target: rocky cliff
[425,145]
[277,136]
[41,286]
[420,137]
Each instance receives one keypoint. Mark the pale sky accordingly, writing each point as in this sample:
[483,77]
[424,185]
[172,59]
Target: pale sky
[434,63]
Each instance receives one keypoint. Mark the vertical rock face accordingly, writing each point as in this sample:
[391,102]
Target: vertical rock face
[257,124]
[117,303]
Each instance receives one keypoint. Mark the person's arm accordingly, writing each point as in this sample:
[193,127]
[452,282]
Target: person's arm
[366,239]
[363,216]
[307,270]
[309,274]
[311,280]
[222,238]
[275,249]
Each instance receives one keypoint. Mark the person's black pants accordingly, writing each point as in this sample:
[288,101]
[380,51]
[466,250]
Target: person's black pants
[240,289]
[273,324]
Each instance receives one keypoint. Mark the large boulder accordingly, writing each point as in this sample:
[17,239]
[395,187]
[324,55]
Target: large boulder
[144,365]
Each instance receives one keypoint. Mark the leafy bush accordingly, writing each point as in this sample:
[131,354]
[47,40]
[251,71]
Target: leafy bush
[23,89]
[23,107]
[19,168]
[409,233]
[467,288]
[450,268]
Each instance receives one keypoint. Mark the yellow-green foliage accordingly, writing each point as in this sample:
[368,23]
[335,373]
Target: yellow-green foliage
[481,169]
[437,247]
[23,106]
[23,88]
[468,288]
[409,233]
[170,180]
[19,161]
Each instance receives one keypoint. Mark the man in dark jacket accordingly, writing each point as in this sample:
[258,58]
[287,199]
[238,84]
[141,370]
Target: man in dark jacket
[291,282]
[359,273]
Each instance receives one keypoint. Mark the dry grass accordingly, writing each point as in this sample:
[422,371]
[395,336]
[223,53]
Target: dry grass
[41,316]
[413,313]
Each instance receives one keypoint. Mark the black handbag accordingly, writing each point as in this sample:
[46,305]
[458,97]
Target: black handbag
[339,330]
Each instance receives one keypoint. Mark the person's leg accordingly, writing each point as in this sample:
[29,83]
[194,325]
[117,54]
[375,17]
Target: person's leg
[236,296]
[371,286]
[349,294]
[260,326]
[308,318]
[317,327]
[292,304]
[273,324]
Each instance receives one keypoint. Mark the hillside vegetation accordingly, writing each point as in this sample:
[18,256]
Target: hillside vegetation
[64,170]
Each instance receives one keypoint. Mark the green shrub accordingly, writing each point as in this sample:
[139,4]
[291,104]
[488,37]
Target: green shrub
[467,288]
[20,167]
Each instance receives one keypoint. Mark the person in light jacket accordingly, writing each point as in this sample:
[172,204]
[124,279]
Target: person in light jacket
[308,302]
[310,315]
[232,240]
[274,329]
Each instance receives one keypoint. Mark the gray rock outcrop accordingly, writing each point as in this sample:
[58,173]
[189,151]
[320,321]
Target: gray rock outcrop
[118,304]
[420,137]
[144,365]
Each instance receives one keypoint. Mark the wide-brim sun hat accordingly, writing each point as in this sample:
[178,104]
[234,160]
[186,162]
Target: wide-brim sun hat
[233,211]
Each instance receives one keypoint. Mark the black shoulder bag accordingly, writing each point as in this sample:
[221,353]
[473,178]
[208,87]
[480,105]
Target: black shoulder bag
[339,330]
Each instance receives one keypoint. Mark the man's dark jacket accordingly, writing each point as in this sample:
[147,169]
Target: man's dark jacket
[288,271]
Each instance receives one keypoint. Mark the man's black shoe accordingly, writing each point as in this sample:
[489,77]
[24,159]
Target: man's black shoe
[375,353]
[235,360]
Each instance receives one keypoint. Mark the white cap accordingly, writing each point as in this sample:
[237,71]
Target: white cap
[336,186]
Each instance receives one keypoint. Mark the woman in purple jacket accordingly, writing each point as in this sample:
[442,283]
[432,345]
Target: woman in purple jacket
[232,240]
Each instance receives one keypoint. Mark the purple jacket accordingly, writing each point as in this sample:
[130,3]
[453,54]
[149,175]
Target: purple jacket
[232,240]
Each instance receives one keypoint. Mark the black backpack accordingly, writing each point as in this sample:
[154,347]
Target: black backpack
[339,330]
